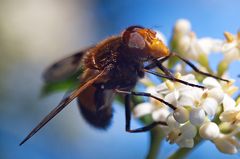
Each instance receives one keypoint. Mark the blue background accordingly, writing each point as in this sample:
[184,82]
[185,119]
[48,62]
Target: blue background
[34,34]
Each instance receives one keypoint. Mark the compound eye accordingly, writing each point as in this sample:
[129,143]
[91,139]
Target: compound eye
[136,41]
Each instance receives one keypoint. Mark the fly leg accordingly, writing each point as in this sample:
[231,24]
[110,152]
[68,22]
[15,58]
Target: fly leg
[128,111]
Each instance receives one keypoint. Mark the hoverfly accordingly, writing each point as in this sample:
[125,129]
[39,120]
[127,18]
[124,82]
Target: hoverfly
[113,66]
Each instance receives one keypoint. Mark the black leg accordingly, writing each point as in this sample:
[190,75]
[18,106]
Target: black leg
[172,78]
[168,74]
[154,63]
[128,118]
[158,63]
[196,69]
[146,95]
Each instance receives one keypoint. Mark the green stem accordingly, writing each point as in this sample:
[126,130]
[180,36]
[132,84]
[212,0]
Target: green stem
[156,137]
[180,153]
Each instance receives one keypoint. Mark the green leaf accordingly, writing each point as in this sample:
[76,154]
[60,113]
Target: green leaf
[61,86]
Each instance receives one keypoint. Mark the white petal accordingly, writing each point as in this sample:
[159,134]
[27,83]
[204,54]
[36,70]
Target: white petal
[171,122]
[143,109]
[186,101]
[188,77]
[194,49]
[225,145]
[152,90]
[205,44]
[160,114]
[184,43]
[233,54]
[210,82]
[190,97]
[228,116]
[188,131]
[182,26]
[181,114]
[197,116]
[210,106]
[172,97]
[210,45]
[229,46]
[162,88]
[216,93]
[186,143]
[228,103]
[209,131]
[217,45]
[194,93]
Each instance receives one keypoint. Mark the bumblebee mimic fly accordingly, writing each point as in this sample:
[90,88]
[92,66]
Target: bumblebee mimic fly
[112,66]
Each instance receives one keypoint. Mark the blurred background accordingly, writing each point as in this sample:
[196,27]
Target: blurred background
[35,33]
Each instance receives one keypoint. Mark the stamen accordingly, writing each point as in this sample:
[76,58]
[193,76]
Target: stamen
[170,85]
[229,37]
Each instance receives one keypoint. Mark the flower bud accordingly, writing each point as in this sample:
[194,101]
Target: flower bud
[181,114]
[186,143]
[227,144]
[197,116]
[209,131]
[210,82]
[182,26]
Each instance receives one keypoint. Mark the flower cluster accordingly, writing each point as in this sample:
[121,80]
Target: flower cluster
[200,114]
[197,111]
[185,42]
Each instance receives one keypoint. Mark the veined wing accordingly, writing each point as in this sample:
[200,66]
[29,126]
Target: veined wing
[62,105]
[64,68]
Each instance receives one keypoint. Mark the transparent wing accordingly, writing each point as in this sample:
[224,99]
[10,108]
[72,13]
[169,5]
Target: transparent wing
[64,68]
[62,105]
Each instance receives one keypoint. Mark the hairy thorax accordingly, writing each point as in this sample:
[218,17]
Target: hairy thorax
[104,54]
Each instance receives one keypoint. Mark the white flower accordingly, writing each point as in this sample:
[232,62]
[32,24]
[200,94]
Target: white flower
[193,47]
[182,26]
[208,100]
[171,90]
[187,134]
[210,45]
[231,115]
[227,144]
[231,47]
[228,103]
[180,134]
[189,45]
[195,109]
[199,98]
